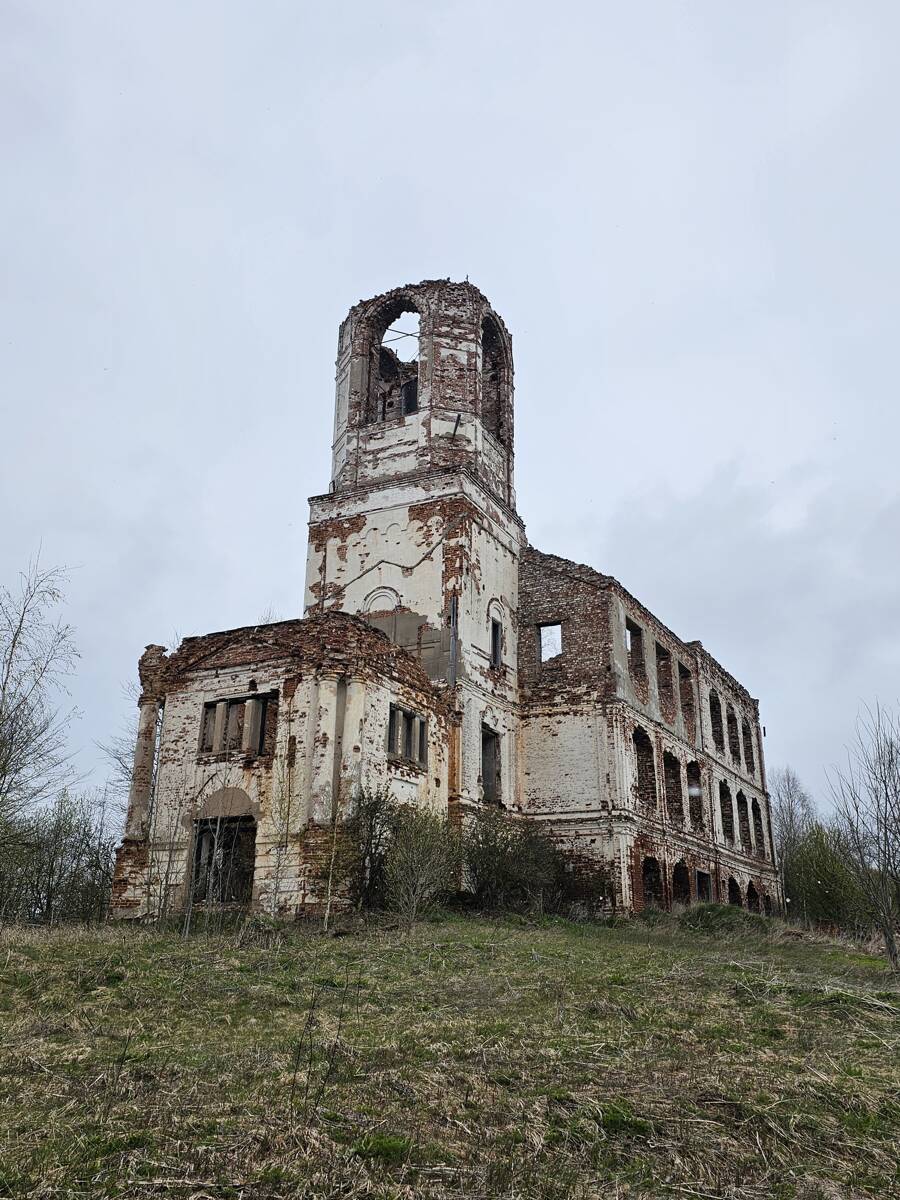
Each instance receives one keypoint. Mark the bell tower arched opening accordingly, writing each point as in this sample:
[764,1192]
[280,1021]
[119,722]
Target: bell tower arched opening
[495,380]
[394,362]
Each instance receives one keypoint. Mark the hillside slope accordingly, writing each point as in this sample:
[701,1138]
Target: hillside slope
[469,1058]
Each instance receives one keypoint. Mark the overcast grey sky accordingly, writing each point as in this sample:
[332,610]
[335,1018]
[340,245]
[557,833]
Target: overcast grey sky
[685,212]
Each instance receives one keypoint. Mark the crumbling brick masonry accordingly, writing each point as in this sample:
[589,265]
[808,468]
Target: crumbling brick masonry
[443,657]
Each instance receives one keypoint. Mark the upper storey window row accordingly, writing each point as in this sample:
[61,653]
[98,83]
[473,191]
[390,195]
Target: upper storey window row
[722,717]
[668,670]
[244,725]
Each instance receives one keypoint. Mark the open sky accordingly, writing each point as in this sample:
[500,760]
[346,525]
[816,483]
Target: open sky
[687,214]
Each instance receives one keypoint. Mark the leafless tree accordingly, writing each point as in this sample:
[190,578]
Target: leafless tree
[61,867]
[118,749]
[866,795]
[37,652]
[793,816]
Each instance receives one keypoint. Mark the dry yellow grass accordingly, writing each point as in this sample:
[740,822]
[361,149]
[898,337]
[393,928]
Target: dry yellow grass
[469,1058]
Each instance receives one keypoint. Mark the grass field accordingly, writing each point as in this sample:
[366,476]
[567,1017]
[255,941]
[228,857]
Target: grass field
[467,1058]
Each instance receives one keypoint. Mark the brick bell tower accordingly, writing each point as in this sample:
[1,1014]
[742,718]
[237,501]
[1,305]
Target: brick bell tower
[419,532]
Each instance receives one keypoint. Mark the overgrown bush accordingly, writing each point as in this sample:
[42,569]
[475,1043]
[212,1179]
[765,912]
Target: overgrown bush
[361,859]
[511,864]
[421,861]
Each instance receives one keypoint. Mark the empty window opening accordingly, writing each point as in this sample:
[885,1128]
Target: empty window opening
[681,883]
[734,892]
[686,691]
[752,898]
[490,765]
[496,644]
[651,878]
[758,828]
[664,683]
[726,812]
[646,770]
[695,794]
[749,759]
[734,742]
[715,720]
[394,364]
[704,887]
[224,859]
[672,781]
[767,904]
[407,736]
[240,726]
[493,380]
[743,822]
[551,641]
[634,645]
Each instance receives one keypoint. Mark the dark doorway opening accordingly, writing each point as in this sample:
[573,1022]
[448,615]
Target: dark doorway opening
[681,884]
[704,887]
[490,765]
[651,877]
[734,892]
[224,859]
[752,898]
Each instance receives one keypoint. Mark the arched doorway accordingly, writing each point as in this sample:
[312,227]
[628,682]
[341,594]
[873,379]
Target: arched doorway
[734,892]
[752,897]
[651,878]
[681,883]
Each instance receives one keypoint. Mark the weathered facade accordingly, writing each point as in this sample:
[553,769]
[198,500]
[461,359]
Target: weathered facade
[445,658]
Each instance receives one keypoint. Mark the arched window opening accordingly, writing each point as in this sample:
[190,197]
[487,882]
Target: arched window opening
[734,892]
[695,795]
[752,898]
[672,781]
[743,822]
[758,828]
[394,367]
[727,812]
[715,720]
[734,743]
[681,883]
[651,877]
[646,771]
[749,758]
[493,380]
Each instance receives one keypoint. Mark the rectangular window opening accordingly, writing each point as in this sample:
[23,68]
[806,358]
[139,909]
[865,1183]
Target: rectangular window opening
[407,736]
[496,644]
[634,644]
[664,682]
[247,726]
[551,641]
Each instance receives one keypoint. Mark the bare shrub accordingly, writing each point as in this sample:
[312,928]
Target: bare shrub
[421,860]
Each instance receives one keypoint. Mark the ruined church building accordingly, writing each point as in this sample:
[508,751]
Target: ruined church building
[442,656]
